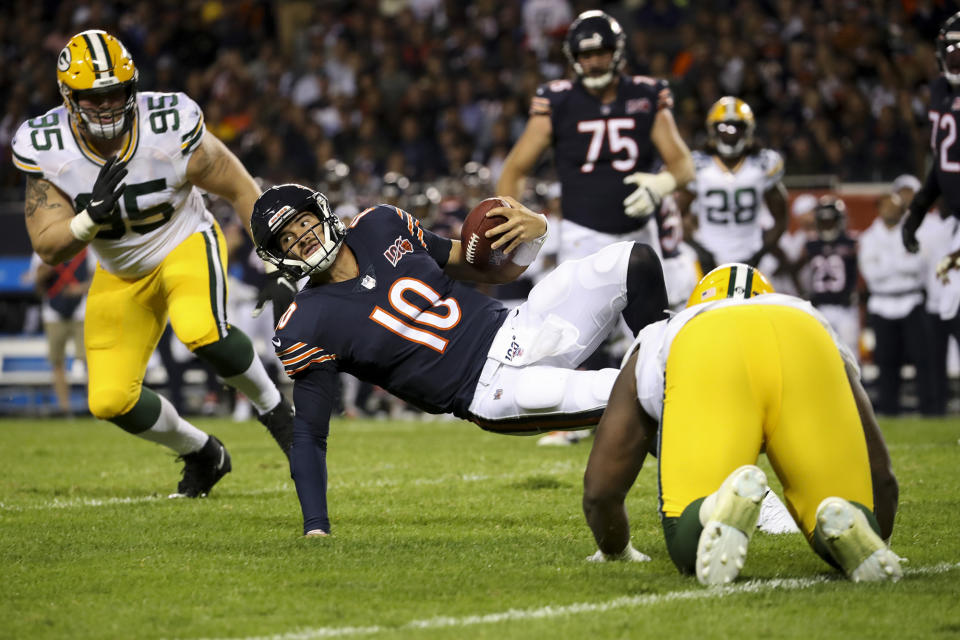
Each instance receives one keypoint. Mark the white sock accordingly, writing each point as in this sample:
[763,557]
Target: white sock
[173,431]
[257,386]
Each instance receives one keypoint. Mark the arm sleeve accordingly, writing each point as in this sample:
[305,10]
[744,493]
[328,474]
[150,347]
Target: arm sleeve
[922,201]
[314,397]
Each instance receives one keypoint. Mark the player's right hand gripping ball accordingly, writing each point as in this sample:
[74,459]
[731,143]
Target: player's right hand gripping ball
[476,246]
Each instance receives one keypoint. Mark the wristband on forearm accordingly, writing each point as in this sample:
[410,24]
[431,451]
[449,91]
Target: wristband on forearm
[83,227]
[526,253]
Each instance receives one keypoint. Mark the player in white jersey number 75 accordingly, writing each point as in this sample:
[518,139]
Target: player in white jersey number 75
[120,170]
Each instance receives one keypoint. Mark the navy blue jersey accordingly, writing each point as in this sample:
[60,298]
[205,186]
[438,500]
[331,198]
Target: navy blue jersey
[402,324]
[944,116]
[833,271]
[597,145]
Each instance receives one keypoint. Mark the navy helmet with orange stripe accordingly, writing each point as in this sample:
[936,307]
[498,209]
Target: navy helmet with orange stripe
[319,234]
[95,66]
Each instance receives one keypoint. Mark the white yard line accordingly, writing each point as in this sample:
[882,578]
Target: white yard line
[541,613]
[341,484]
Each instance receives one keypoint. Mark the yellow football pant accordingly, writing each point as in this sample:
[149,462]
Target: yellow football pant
[125,318]
[742,378]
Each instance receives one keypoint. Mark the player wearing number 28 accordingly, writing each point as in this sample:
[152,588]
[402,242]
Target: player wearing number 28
[736,182]
[121,171]
[384,303]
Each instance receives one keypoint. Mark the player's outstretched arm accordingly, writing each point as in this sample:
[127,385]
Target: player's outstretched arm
[524,155]
[623,437]
[214,168]
[886,491]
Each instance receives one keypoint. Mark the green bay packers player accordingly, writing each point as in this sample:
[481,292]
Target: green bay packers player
[120,170]
[736,184]
[749,370]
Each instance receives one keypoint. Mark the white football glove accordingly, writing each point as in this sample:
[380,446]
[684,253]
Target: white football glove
[651,187]
[627,555]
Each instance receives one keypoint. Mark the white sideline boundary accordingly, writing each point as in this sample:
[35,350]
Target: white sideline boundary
[547,612]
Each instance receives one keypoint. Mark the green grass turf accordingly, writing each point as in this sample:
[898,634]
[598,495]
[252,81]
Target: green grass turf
[440,531]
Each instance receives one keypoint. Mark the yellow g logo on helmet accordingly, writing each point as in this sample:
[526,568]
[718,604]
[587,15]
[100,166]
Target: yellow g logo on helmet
[94,62]
[733,280]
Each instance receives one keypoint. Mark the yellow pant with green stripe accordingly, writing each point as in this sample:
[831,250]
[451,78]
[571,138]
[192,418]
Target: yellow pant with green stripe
[125,318]
[743,378]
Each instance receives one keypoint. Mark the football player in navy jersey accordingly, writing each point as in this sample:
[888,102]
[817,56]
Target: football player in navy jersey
[609,131]
[943,178]
[833,272]
[384,303]
[610,134]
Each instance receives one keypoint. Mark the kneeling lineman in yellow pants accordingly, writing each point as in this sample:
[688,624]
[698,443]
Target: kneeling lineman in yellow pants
[734,374]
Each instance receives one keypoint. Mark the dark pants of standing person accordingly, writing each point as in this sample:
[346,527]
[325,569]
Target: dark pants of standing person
[938,337]
[900,341]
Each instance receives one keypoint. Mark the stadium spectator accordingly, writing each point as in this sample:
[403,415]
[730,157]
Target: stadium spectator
[385,303]
[63,291]
[709,425]
[159,251]
[895,282]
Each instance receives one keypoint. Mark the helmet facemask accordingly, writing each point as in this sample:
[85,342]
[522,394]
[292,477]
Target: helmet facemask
[106,123]
[730,138]
[948,54]
[328,233]
[594,31]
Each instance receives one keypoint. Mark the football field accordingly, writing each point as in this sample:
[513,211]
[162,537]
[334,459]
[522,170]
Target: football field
[440,531]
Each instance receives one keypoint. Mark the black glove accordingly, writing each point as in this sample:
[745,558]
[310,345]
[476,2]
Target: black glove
[909,234]
[280,291]
[103,199]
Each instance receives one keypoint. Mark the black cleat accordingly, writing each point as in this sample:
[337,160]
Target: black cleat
[202,469]
[279,422]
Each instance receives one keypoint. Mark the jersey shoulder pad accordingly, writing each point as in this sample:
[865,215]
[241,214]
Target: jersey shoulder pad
[548,95]
[388,219]
[939,89]
[771,163]
[42,144]
[171,121]
[659,87]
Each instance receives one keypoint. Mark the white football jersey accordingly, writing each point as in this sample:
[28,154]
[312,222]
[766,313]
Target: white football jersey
[159,208]
[729,202]
[655,341]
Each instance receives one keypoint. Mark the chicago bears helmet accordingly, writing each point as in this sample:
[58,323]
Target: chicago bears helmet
[948,49]
[730,126]
[732,280]
[280,205]
[830,217]
[92,64]
[595,31]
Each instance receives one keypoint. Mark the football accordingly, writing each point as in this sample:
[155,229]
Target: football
[476,247]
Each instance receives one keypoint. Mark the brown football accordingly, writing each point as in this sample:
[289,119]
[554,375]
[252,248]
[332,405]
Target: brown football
[476,247]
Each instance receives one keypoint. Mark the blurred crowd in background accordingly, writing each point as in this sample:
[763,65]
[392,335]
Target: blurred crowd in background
[314,91]
[418,102]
